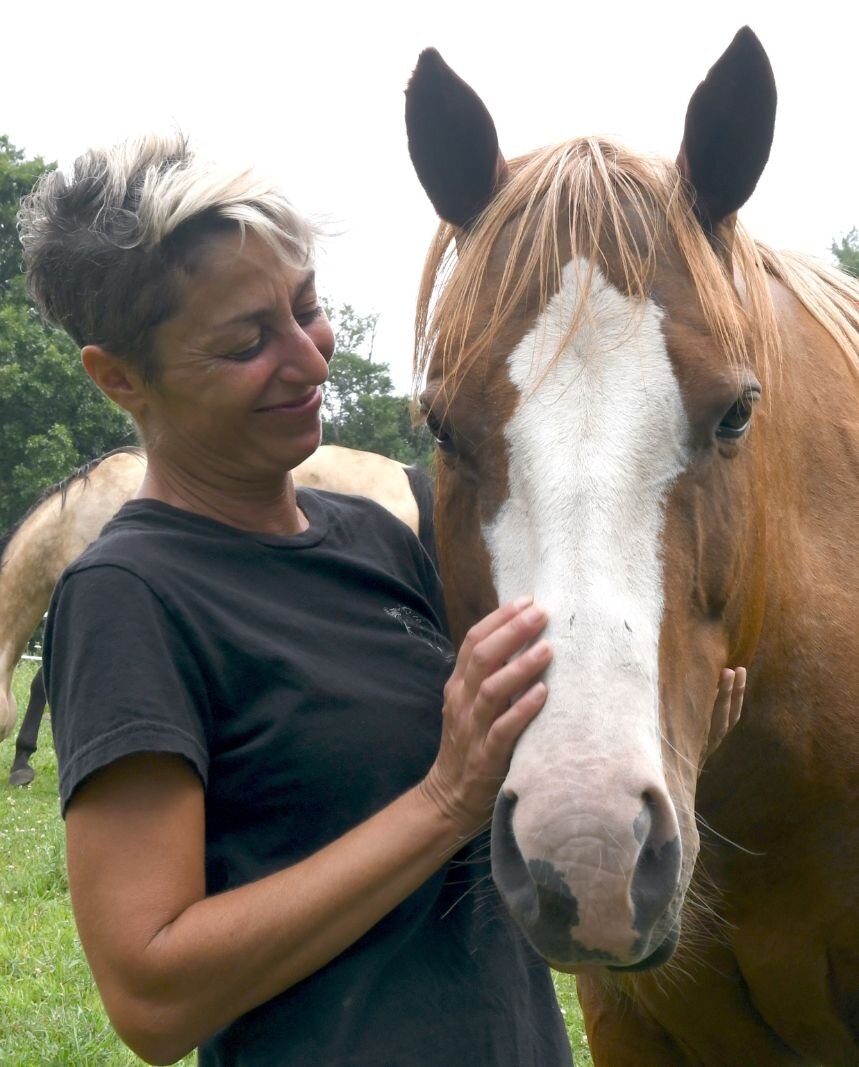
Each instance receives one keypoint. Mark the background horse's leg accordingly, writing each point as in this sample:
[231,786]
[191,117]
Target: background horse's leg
[22,773]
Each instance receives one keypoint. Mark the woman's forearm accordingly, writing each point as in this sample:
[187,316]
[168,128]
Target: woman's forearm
[229,953]
[223,955]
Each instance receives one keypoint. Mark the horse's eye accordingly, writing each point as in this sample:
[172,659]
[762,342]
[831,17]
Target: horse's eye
[736,419]
[435,425]
[442,437]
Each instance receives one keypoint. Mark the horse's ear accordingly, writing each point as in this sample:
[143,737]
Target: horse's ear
[452,141]
[729,129]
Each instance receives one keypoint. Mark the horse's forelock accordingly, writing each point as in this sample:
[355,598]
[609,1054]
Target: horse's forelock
[610,197]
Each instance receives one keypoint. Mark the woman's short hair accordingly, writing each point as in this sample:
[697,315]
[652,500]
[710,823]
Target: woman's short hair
[103,245]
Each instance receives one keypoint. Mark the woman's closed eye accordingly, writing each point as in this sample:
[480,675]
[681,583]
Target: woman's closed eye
[242,355]
[304,317]
[308,315]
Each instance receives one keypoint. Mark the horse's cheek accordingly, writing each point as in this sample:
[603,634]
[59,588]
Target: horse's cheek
[469,591]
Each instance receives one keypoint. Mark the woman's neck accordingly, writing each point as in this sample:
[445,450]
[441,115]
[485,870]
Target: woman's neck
[263,507]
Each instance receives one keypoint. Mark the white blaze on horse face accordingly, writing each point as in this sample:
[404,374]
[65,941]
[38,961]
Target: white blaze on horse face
[596,440]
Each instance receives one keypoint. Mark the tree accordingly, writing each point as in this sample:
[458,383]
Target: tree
[353,332]
[52,418]
[17,178]
[360,408]
[847,252]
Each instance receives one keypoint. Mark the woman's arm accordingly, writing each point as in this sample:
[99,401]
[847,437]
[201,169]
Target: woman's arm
[173,966]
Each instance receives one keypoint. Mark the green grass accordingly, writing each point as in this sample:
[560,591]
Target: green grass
[565,985]
[50,1013]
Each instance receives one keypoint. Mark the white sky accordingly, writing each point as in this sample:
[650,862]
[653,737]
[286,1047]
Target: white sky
[313,93]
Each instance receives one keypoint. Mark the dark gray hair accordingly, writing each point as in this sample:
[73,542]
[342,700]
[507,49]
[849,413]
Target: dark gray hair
[103,245]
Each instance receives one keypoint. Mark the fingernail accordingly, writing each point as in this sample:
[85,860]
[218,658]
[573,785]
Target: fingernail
[522,602]
[534,614]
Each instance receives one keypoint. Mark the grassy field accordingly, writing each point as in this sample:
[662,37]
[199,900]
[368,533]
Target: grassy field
[50,1014]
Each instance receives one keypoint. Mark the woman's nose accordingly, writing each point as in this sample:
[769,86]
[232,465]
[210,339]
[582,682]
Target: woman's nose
[302,358]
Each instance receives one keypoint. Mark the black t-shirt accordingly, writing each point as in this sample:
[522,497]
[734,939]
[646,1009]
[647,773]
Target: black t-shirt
[301,677]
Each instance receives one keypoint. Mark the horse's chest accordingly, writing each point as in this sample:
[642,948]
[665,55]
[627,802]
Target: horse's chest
[771,991]
[802,975]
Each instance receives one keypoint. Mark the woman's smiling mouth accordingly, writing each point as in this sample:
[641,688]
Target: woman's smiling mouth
[309,402]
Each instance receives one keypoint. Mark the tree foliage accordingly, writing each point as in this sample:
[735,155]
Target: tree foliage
[846,251]
[52,418]
[17,177]
[361,409]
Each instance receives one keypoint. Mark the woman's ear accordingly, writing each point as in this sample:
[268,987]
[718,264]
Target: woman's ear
[119,382]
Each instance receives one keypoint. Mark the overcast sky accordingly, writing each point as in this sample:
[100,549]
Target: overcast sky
[313,93]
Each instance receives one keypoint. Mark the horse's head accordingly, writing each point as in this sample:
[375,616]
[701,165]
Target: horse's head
[591,378]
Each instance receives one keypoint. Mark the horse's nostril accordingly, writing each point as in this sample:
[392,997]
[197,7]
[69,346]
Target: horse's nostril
[534,892]
[508,864]
[657,869]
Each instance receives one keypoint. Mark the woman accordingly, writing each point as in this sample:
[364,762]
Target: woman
[261,798]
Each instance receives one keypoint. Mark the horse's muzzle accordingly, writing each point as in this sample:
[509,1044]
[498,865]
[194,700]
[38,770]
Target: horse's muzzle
[637,927]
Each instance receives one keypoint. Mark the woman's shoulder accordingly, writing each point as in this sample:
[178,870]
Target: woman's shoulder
[152,541]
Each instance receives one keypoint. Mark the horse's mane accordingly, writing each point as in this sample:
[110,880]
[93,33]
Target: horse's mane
[637,205]
[61,488]
[828,294]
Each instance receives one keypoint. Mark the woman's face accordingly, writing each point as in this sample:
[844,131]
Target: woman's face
[240,366]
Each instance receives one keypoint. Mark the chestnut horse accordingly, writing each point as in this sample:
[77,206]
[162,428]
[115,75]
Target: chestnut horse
[651,422]
[70,515]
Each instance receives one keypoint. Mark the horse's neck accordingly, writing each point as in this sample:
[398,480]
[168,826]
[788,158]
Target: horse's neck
[798,740]
[810,478]
[811,450]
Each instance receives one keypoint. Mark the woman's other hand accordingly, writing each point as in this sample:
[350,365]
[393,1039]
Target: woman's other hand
[728,706]
[490,698]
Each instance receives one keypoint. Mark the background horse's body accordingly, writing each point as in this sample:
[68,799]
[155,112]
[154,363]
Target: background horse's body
[594,360]
[72,514]
[53,533]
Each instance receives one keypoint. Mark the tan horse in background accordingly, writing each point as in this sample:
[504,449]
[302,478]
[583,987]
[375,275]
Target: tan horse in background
[69,516]
[650,422]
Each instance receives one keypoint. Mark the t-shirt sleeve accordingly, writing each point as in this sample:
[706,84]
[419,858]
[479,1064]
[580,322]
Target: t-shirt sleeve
[120,677]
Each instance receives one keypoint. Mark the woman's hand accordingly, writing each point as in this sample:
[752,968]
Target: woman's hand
[728,706]
[489,699]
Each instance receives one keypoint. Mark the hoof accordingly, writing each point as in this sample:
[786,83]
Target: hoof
[21,775]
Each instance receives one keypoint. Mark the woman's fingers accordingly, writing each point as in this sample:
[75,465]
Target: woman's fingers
[494,646]
[728,706]
[493,620]
[739,691]
[507,728]
[499,688]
